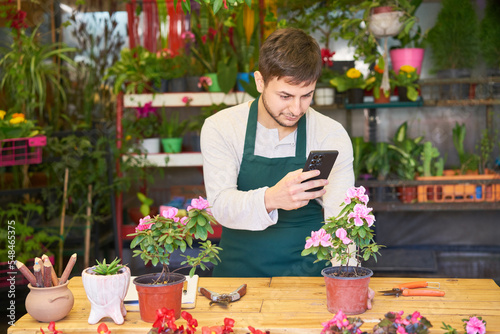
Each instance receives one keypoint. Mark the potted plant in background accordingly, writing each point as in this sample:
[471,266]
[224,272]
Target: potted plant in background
[172,131]
[348,239]
[375,85]
[106,285]
[489,37]
[406,82]
[410,50]
[212,48]
[137,70]
[324,94]
[405,161]
[158,237]
[353,82]
[454,41]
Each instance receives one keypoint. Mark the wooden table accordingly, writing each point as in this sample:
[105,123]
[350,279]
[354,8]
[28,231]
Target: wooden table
[298,305]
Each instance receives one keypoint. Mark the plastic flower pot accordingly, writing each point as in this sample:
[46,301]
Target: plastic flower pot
[355,95]
[214,87]
[156,296]
[349,294]
[171,145]
[382,98]
[407,56]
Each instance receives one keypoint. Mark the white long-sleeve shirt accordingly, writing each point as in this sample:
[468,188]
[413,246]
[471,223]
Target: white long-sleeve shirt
[222,143]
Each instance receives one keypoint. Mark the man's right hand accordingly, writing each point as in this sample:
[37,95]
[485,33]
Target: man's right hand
[290,193]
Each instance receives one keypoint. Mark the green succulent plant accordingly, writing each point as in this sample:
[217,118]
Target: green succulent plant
[103,268]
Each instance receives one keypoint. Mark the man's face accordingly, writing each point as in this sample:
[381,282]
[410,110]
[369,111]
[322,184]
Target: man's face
[284,103]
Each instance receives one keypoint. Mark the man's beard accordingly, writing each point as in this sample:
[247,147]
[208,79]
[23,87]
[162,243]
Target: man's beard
[275,117]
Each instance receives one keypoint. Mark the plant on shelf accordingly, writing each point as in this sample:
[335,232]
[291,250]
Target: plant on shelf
[374,83]
[468,161]
[135,72]
[361,151]
[32,77]
[432,162]
[378,163]
[408,151]
[411,36]
[355,27]
[352,79]
[454,38]
[212,47]
[172,131]
[15,125]
[489,36]
[407,77]
[172,127]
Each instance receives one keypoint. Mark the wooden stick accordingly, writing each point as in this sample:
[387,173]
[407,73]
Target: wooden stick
[61,227]
[47,277]
[37,270]
[53,276]
[67,270]
[87,228]
[26,272]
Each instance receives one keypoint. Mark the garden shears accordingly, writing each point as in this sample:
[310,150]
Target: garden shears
[413,289]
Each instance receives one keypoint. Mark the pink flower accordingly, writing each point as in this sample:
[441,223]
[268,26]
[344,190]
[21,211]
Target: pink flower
[184,220]
[146,110]
[361,212]
[415,317]
[144,224]
[204,82]
[171,213]
[186,100]
[358,193]
[198,203]
[319,237]
[342,235]
[401,330]
[187,35]
[475,326]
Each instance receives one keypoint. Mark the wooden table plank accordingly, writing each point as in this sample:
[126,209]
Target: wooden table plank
[298,305]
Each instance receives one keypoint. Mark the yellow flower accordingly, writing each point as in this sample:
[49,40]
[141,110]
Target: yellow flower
[370,80]
[128,137]
[407,69]
[353,73]
[17,118]
[2,114]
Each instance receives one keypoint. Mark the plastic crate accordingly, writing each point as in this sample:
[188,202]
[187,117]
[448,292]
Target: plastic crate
[22,151]
[469,188]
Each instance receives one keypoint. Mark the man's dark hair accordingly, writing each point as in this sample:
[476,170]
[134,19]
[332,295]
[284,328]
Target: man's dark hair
[292,53]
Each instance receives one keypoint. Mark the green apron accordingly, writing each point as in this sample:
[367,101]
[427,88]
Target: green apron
[276,250]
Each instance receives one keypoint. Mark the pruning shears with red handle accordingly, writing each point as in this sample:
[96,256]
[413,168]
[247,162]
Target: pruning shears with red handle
[414,289]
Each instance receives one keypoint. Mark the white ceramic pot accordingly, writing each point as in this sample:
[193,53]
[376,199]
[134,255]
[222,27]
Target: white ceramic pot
[385,24]
[150,145]
[106,294]
[324,96]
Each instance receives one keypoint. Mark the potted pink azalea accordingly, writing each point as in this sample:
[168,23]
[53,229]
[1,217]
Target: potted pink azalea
[158,237]
[346,240]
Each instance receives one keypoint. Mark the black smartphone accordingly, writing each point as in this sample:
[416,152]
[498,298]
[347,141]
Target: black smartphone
[322,160]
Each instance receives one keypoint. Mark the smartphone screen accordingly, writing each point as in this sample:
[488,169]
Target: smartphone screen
[323,161]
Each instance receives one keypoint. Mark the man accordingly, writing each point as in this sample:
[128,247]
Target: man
[253,155]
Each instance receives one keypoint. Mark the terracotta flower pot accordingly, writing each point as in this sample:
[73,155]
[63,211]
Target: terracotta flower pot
[106,294]
[156,296]
[349,294]
[49,304]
